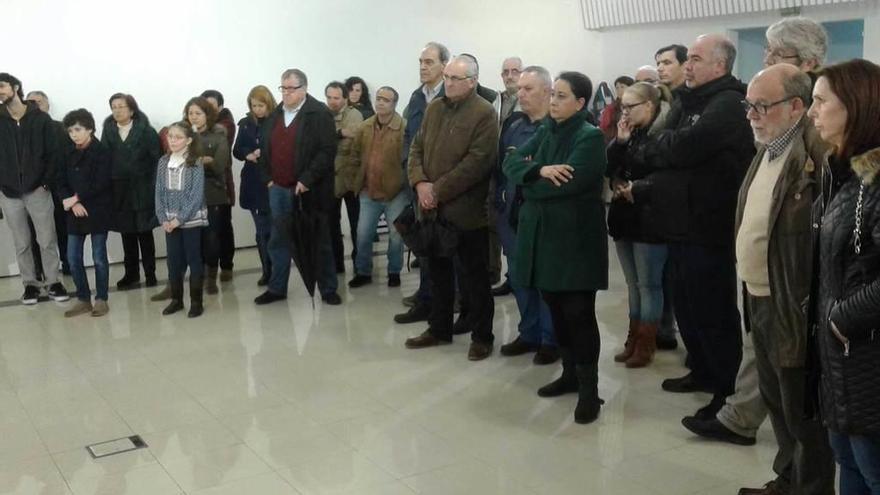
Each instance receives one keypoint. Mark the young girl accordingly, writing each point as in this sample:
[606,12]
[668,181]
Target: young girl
[85,184]
[182,214]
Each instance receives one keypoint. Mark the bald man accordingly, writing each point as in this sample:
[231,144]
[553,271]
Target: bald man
[773,253]
[648,74]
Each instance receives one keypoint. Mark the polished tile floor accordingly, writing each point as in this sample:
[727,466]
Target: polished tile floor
[287,399]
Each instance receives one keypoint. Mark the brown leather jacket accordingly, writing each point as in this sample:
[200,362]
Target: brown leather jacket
[456,149]
[789,250]
[392,155]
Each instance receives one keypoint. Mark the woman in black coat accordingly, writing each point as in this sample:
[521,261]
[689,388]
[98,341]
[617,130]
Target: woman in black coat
[846,311]
[84,184]
[135,149]
[254,195]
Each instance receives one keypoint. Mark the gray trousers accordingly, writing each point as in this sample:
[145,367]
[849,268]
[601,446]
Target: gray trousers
[744,411]
[37,205]
[804,463]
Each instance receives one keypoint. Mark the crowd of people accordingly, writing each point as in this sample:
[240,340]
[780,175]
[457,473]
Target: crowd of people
[717,188]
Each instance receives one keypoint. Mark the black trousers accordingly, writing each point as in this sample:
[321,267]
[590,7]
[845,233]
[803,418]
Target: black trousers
[804,462]
[215,236]
[353,211]
[139,246]
[706,311]
[184,248]
[227,240]
[472,270]
[574,323]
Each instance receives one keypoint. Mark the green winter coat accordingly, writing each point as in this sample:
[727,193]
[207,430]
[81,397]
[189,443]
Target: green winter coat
[134,174]
[561,242]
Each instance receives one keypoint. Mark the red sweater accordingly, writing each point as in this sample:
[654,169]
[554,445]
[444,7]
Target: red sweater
[282,159]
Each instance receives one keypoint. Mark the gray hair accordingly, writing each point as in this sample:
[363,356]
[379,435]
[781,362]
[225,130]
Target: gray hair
[298,74]
[725,50]
[473,67]
[798,85]
[805,36]
[442,51]
[39,93]
[390,89]
[542,74]
[518,60]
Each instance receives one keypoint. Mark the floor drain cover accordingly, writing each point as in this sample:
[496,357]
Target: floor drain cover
[118,446]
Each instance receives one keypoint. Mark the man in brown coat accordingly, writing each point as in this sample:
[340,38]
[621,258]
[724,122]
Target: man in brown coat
[450,162]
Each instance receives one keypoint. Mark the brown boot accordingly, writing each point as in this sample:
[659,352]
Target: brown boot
[211,280]
[163,295]
[646,344]
[630,344]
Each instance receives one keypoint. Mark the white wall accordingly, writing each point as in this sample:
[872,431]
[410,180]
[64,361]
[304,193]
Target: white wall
[165,51]
[628,48]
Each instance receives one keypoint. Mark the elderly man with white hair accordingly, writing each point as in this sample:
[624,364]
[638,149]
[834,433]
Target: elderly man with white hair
[648,74]
[450,163]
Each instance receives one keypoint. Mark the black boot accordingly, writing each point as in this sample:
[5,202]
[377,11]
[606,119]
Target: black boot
[195,297]
[567,383]
[589,403]
[176,297]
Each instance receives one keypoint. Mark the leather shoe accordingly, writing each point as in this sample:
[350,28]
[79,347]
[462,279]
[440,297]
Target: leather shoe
[771,488]
[713,429]
[479,351]
[424,340]
[711,409]
[518,347]
[666,343]
[410,301]
[546,355]
[332,299]
[502,290]
[419,312]
[394,280]
[684,385]
[268,297]
[360,281]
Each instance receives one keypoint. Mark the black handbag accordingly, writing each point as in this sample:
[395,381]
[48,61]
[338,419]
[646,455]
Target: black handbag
[426,237]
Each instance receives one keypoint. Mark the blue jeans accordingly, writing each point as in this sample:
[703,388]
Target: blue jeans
[642,265]
[184,247]
[859,460]
[281,207]
[368,220]
[535,322]
[263,226]
[78,271]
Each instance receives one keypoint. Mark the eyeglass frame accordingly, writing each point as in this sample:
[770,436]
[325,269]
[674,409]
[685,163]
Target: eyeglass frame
[290,89]
[629,108]
[447,78]
[776,55]
[748,106]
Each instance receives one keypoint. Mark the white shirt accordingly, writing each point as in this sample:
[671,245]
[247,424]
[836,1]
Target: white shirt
[431,93]
[175,171]
[289,115]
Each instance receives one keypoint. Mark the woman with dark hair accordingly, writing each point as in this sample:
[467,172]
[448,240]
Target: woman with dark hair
[216,159]
[846,307]
[181,210]
[611,113]
[254,196]
[86,190]
[359,96]
[562,246]
[633,219]
[135,148]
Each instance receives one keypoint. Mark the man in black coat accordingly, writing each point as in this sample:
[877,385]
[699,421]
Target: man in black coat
[298,146]
[704,152]
[28,150]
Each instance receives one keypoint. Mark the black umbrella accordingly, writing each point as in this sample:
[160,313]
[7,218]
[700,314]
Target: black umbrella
[304,241]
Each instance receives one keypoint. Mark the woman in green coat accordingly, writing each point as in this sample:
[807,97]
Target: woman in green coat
[135,149]
[562,245]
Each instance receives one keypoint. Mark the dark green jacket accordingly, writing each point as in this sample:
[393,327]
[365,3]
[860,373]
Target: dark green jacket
[134,174]
[215,144]
[562,244]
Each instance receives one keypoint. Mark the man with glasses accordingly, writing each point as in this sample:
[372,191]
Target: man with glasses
[795,41]
[450,162]
[705,150]
[297,149]
[773,254]
[511,68]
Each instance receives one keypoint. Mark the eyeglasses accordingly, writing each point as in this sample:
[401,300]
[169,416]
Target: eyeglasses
[763,108]
[628,108]
[449,78]
[508,72]
[777,54]
[289,89]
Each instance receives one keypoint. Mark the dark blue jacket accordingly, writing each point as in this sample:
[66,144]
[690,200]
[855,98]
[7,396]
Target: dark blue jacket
[253,193]
[414,113]
[517,130]
[87,173]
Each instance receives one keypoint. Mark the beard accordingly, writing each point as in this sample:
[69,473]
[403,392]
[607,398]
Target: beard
[5,101]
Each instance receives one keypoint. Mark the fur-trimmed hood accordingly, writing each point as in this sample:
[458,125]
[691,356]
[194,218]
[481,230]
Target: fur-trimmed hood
[867,165]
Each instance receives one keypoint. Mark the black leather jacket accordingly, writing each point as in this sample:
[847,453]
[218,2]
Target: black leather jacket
[848,288]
